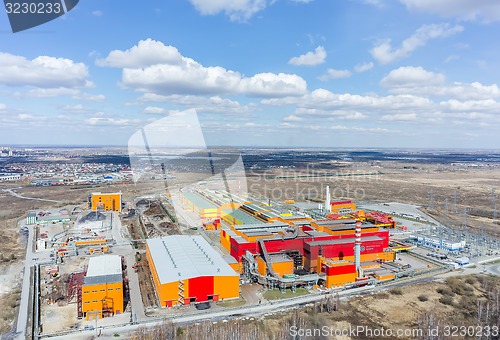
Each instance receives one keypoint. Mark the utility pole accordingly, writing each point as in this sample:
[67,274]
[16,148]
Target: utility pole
[455,210]
[494,199]
[431,199]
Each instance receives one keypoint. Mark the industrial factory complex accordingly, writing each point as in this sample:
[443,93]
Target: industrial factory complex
[154,256]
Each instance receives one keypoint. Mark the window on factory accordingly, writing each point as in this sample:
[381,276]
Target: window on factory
[110,288]
[94,291]
[87,302]
[103,290]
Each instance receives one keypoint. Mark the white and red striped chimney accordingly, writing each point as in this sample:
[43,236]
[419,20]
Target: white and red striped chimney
[357,245]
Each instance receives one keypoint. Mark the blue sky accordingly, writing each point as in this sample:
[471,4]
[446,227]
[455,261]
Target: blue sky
[346,73]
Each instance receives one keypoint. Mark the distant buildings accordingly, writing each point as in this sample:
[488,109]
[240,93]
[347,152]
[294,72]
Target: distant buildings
[47,216]
[5,151]
[9,177]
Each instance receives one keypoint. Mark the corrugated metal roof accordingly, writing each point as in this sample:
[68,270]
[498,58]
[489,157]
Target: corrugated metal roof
[264,226]
[104,265]
[95,280]
[199,201]
[181,257]
[241,216]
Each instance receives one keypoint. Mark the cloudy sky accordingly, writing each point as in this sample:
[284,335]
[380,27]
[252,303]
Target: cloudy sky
[343,73]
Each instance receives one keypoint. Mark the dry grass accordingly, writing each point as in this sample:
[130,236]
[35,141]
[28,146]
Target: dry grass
[394,183]
[8,310]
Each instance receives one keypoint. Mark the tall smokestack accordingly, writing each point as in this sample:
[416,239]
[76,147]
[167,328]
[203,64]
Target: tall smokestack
[357,246]
[328,207]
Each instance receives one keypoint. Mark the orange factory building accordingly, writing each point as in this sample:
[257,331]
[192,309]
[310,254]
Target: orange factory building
[107,202]
[186,269]
[102,289]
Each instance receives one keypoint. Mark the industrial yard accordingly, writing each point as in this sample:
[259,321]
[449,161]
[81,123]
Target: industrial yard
[116,258]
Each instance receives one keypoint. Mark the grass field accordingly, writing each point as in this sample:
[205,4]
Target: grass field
[276,294]
[232,303]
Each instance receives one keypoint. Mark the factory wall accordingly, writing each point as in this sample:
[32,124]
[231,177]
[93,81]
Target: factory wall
[339,280]
[239,249]
[283,268]
[108,202]
[340,207]
[338,251]
[261,266]
[338,274]
[93,296]
[227,287]
[225,239]
[204,213]
[199,289]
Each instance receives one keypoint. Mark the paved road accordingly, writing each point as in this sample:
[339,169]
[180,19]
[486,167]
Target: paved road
[15,194]
[123,247]
[22,318]
[135,293]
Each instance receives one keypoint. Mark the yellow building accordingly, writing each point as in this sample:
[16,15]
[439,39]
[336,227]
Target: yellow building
[280,263]
[342,207]
[200,205]
[102,289]
[107,202]
[186,269]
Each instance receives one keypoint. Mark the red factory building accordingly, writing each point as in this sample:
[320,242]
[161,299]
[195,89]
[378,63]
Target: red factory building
[311,239]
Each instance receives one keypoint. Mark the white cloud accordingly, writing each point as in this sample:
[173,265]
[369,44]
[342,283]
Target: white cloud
[24,116]
[385,53]
[43,72]
[363,67]
[303,1]
[311,58]
[108,121]
[90,97]
[97,13]
[214,104]
[293,118]
[400,117]
[3,107]
[485,10]
[78,108]
[418,81]
[410,76]
[236,10]
[154,110]
[146,53]
[155,68]
[51,92]
[335,74]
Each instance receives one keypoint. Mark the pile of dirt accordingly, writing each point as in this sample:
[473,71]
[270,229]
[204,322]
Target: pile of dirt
[93,217]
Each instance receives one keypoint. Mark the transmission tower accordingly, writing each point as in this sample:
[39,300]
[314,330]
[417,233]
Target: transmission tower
[431,199]
[455,210]
[494,199]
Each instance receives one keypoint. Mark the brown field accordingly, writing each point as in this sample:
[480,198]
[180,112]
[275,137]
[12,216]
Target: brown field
[459,301]
[394,182]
